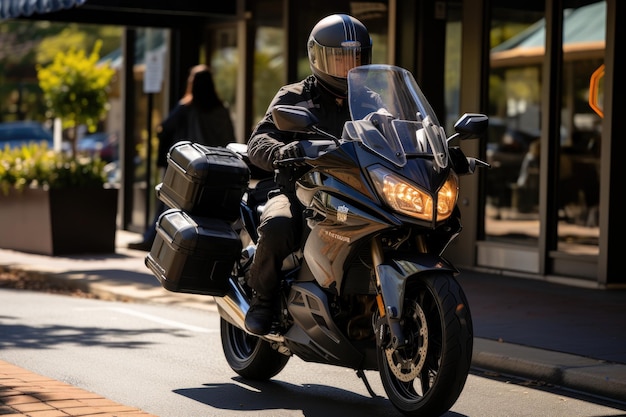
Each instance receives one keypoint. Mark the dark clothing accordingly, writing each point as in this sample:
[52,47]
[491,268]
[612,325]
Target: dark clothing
[281,221]
[266,139]
[211,127]
[279,235]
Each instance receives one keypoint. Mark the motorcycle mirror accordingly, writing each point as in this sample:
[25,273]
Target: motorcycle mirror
[471,126]
[294,119]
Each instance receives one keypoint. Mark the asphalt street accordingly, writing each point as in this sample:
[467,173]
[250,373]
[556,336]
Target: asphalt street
[559,334]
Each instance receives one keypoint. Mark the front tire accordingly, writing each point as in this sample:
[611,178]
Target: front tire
[426,377]
[248,355]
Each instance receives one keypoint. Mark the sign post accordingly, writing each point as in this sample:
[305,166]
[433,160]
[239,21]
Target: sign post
[152,82]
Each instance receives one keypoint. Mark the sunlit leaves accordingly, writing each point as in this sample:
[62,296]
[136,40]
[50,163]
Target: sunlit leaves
[36,165]
[75,87]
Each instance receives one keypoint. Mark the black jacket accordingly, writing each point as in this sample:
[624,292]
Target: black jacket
[211,127]
[266,139]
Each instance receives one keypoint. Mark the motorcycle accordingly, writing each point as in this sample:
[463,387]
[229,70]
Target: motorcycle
[370,288]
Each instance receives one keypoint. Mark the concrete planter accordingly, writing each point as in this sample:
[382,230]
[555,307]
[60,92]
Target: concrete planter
[59,221]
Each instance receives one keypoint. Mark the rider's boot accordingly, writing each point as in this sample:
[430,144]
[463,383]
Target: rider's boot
[259,317]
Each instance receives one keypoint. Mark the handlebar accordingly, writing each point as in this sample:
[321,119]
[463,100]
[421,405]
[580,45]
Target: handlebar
[291,162]
[312,148]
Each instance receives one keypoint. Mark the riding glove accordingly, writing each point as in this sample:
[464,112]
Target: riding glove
[291,150]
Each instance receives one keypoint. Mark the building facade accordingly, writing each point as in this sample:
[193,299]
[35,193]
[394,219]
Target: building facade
[544,71]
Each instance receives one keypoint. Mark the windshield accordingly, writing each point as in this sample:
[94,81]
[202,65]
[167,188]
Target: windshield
[392,117]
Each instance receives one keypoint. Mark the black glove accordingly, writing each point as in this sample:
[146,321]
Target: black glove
[291,150]
[290,155]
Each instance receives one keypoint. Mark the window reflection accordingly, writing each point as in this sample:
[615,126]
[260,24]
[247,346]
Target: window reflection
[579,170]
[514,137]
[513,142]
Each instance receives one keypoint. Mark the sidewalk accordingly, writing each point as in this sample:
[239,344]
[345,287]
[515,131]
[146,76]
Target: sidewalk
[561,335]
[25,393]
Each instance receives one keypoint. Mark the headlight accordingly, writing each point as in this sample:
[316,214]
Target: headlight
[407,198]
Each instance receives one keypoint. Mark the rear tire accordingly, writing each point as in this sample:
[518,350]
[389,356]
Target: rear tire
[427,377]
[249,356]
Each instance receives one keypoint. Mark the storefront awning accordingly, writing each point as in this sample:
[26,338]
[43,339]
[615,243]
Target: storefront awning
[10,9]
[583,38]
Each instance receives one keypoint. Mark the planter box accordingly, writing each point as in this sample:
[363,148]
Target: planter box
[59,221]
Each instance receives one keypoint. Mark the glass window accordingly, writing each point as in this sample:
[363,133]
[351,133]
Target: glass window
[579,159]
[453,64]
[512,184]
[224,63]
[269,55]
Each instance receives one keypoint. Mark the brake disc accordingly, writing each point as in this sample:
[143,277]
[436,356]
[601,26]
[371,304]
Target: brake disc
[407,362]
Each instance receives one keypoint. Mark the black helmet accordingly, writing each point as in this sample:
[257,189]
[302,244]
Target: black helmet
[337,44]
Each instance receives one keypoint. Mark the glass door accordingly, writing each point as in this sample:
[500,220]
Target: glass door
[511,217]
[579,158]
[514,236]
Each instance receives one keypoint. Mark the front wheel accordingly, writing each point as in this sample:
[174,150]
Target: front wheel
[426,376]
[249,356]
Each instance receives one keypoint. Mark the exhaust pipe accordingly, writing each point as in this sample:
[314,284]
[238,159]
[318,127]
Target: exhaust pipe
[234,305]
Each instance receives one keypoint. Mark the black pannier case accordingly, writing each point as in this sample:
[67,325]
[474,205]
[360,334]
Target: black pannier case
[203,180]
[193,254]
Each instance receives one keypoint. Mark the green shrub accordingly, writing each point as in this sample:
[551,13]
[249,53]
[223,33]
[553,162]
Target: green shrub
[36,165]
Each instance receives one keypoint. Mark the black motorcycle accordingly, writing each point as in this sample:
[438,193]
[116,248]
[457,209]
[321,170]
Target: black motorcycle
[370,288]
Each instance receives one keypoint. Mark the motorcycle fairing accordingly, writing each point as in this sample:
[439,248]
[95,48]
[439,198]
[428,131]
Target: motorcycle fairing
[334,236]
[340,166]
[315,337]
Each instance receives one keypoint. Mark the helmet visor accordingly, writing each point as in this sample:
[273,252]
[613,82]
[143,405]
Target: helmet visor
[337,62]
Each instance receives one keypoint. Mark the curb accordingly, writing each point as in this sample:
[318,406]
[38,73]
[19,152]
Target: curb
[591,376]
[101,288]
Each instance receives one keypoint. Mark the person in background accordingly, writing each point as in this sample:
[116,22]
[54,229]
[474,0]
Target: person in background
[336,44]
[199,116]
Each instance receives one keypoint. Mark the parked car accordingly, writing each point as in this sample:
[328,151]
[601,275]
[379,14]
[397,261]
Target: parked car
[16,134]
[100,144]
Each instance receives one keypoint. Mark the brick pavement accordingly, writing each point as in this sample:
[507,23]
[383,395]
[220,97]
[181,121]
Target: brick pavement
[24,393]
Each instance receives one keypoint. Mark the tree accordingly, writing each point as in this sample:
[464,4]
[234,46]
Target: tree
[76,88]
[24,44]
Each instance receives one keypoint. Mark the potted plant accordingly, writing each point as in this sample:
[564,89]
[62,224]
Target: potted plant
[54,204]
[50,202]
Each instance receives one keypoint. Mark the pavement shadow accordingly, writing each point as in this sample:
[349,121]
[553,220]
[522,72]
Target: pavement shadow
[312,400]
[18,336]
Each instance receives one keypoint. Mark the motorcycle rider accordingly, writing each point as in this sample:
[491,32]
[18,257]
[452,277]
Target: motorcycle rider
[337,43]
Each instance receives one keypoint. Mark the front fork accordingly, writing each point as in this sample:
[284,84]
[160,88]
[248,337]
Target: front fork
[387,313]
[392,274]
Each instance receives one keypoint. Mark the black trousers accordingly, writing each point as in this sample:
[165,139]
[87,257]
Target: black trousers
[279,235]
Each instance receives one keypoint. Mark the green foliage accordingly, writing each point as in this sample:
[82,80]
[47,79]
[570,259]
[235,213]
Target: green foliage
[36,165]
[24,44]
[76,88]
